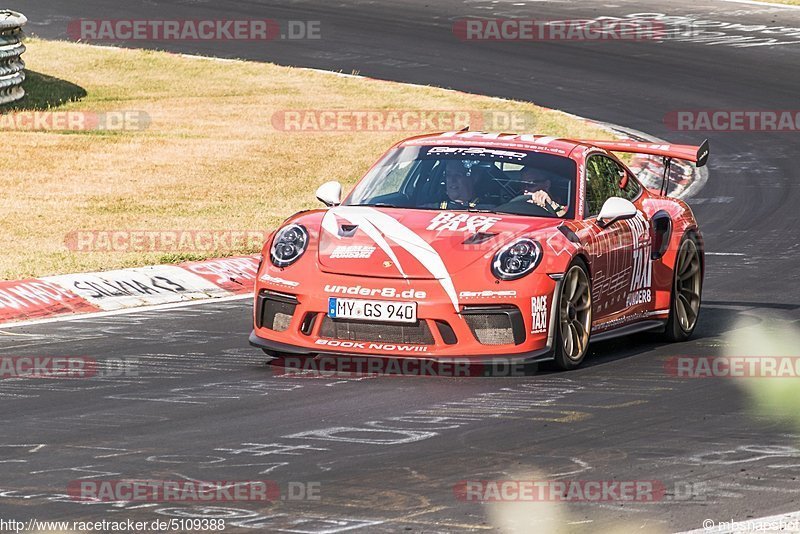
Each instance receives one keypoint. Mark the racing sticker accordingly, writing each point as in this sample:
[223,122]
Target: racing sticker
[581,191]
[539,314]
[352,252]
[346,344]
[278,281]
[640,289]
[476,151]
[487,294]
[389,292]
[462,222]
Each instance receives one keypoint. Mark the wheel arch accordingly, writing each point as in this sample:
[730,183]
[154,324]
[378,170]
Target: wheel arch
[694,232]
[581,255]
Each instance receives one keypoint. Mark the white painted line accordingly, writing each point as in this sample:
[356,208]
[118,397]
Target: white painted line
[725,254]
[784,523]
[212,58]
[712,200]
[95,315]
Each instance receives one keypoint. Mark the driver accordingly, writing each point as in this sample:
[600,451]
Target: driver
[537,188]
[460,181]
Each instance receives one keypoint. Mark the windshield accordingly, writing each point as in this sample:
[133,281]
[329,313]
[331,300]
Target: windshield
[472,179]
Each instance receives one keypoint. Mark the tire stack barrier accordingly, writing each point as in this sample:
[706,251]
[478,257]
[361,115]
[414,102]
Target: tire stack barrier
[12,67]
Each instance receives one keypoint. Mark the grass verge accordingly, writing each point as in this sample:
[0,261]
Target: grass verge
[208,160]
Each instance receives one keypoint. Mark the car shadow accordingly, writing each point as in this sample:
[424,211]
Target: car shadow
[716,319]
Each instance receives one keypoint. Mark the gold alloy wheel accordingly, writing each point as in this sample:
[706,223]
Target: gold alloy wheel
[575,313]
[687,285]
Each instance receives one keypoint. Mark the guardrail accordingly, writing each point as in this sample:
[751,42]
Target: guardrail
[12,67]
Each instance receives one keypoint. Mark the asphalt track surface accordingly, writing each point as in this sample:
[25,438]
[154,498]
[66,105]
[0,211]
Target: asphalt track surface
[204,407]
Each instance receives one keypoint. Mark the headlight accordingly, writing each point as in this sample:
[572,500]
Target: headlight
[516,259]
[288,245]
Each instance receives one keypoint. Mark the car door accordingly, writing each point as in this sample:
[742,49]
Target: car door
[610,248]
[641,297]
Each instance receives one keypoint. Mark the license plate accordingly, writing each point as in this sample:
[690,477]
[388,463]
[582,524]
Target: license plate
[372,310]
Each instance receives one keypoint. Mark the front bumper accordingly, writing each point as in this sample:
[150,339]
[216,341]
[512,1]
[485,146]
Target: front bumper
[511,322]
[276,348]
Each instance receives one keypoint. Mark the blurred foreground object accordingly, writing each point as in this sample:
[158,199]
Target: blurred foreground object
[773,384]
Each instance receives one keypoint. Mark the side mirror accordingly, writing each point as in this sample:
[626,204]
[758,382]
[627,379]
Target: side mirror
[615,209]
[330,193]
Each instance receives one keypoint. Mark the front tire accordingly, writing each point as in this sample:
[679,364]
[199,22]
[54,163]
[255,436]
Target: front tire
[687,285]
[574,317]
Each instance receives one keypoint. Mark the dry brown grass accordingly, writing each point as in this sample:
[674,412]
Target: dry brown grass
[210,159]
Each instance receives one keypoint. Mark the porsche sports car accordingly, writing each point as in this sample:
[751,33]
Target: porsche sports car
[479,246]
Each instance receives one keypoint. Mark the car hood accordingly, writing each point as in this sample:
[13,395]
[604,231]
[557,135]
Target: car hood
[415,244]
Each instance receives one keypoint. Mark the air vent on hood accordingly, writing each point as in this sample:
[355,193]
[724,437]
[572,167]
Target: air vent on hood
[478,238]
[348,230]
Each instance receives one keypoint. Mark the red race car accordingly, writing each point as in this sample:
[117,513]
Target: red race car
[482,247]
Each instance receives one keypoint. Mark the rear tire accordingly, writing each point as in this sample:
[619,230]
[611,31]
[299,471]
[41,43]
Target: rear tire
[574,318]
[687,286]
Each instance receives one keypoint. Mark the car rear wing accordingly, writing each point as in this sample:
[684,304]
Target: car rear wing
[696,154]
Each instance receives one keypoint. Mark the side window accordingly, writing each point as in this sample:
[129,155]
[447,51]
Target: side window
[603,177]
[393,181]
[631,189]
[602,183]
